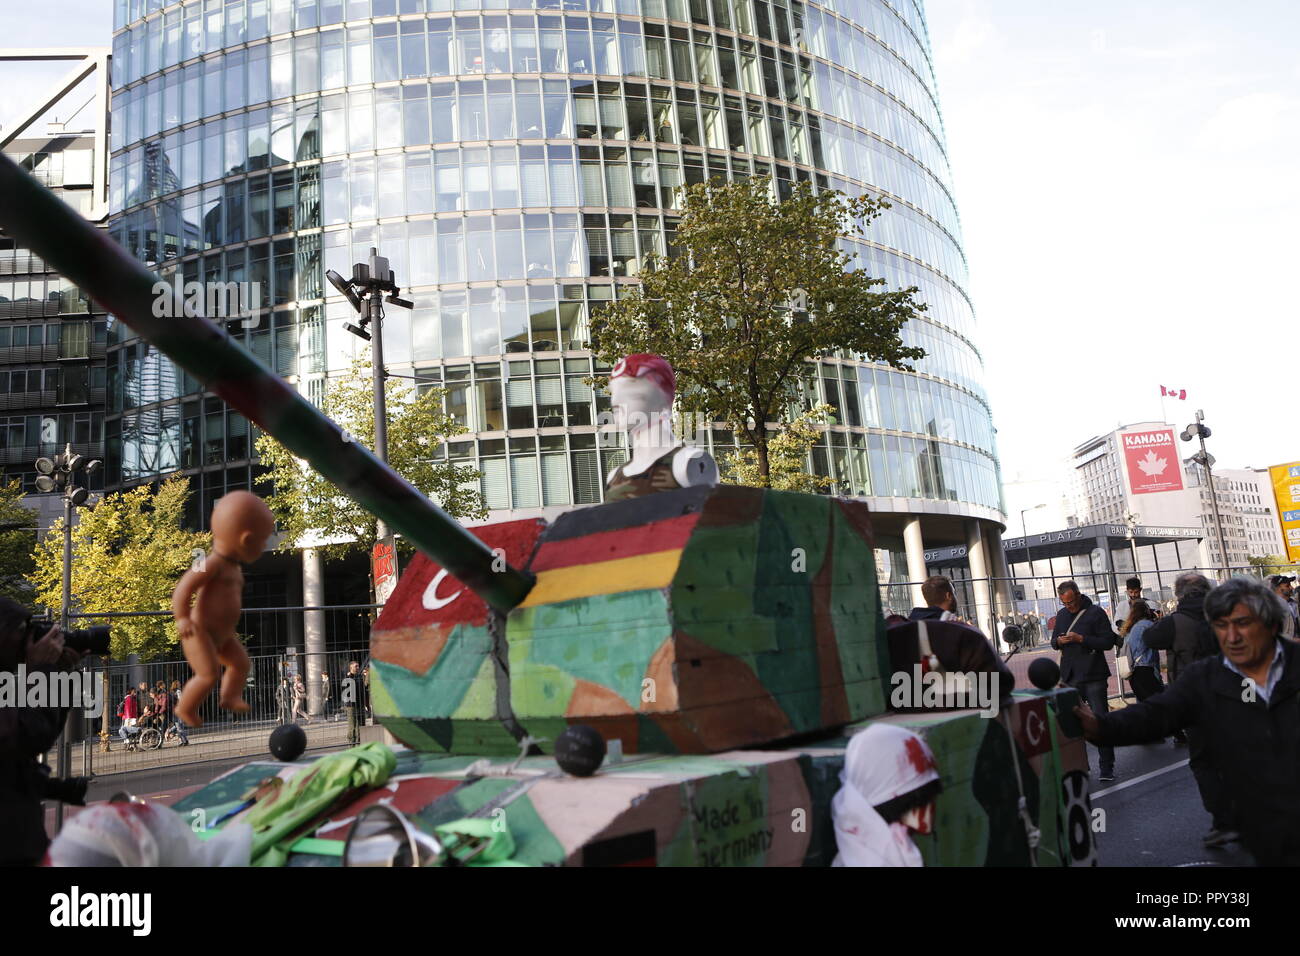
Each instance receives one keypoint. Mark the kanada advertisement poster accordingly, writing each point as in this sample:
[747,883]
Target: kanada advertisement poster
[1151,458]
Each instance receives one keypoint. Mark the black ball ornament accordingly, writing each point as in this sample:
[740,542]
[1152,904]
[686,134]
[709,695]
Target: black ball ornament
[1044,673]
[579,750]
[288,742]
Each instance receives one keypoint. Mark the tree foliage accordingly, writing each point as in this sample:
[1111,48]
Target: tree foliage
[1273,564]
[787,457]
[128,553]
[311,511]
[755,289]
[17,541]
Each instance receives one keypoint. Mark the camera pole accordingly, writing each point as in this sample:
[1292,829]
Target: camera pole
[59,474]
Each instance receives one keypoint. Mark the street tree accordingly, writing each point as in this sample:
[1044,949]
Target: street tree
[128,552]
[754,290]
[311,511]
[17,541]
[787,457]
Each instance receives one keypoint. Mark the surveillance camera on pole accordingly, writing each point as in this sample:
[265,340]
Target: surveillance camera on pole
[371,281]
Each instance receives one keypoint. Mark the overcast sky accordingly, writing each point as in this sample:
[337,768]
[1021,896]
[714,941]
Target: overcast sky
[1127,180]
[1128,186]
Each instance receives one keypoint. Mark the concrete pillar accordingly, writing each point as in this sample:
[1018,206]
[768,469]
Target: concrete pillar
[914,547]
[984,617]
[313,595]
[997,556]
[1112,585]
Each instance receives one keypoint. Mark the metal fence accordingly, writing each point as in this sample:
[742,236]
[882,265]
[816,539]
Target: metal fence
[98,744]
[1032,602]
[990,603]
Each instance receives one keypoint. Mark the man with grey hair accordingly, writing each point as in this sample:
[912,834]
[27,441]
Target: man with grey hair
[1245,703]
[1187,637]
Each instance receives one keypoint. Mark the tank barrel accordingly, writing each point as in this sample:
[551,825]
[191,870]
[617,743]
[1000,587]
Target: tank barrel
[39,220]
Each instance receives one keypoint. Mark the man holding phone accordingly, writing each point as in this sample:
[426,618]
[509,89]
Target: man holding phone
[1083,634]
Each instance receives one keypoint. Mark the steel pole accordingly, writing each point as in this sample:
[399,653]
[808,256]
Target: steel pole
[375,304]
[65,745]
[1214,501]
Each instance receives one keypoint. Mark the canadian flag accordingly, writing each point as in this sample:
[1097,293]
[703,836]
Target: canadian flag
[1179,393]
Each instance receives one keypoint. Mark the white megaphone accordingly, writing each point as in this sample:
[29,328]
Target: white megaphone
[382,836]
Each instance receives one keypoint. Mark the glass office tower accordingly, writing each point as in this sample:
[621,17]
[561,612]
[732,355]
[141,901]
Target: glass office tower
[517,161]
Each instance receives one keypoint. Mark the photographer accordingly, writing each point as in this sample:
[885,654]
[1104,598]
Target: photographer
[25,734]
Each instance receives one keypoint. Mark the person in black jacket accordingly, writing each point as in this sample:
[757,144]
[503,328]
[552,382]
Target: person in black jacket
[25,734]
[1083,634]
[940,601]
[1246,703]
[1186,636]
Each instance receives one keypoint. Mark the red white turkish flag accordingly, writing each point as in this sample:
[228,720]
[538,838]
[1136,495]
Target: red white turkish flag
[1151,458]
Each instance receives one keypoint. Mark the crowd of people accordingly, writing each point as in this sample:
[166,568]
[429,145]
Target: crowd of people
[144,707]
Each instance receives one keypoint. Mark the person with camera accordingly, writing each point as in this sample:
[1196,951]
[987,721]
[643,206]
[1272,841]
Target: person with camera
[26,733]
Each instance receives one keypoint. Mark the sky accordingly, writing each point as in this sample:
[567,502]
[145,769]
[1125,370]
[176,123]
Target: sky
[1128,192]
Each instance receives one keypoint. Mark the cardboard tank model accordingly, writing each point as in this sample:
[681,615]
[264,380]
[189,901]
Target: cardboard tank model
[724,643]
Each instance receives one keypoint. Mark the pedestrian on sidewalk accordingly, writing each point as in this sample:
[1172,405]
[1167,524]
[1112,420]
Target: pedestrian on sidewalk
[178,725]
[354,701]
[1281,585]
[1083,635]
[325,701]
[1244,704]
[283,702]
[300,699]
[1145,661]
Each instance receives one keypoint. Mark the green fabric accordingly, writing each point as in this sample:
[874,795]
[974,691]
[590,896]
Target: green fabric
[319,847]
[310,792]
[501,845]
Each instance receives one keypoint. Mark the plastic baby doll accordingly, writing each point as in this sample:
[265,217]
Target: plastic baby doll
[241,525]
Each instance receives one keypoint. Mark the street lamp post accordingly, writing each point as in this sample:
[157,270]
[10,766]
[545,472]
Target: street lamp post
[1206,460]
[1024,529]
[59,474]
[1131,520]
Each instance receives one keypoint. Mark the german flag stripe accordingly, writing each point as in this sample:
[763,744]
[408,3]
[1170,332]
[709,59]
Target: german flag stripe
[611,545]
[638,573]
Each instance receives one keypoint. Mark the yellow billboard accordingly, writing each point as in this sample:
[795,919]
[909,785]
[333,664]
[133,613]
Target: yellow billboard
[1286,490]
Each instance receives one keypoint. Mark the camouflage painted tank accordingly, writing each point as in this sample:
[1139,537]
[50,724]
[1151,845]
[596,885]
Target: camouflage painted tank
[687,625]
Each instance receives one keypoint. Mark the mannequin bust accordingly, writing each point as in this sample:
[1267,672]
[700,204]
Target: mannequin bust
[241,525]
[642,389]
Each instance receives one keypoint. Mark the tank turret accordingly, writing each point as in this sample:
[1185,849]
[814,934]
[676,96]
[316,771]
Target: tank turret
[687,621]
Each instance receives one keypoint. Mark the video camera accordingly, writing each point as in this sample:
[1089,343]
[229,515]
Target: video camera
[90,640]
[71,790]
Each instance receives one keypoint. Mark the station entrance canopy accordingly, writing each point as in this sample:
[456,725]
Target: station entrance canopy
[1070,542]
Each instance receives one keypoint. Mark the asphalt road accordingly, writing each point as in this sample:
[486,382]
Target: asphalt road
[1153,812]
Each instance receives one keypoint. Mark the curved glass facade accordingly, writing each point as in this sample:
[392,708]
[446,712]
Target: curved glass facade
[517,164]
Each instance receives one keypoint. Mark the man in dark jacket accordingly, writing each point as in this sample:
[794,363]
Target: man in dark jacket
[25,734]
[1083,634]
[1246,703]
[1186,636]
[940,601]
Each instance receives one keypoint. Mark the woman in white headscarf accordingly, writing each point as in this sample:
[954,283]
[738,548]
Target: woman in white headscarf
[888,788]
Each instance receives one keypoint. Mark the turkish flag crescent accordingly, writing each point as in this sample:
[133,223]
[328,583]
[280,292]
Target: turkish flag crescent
[1179,393]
